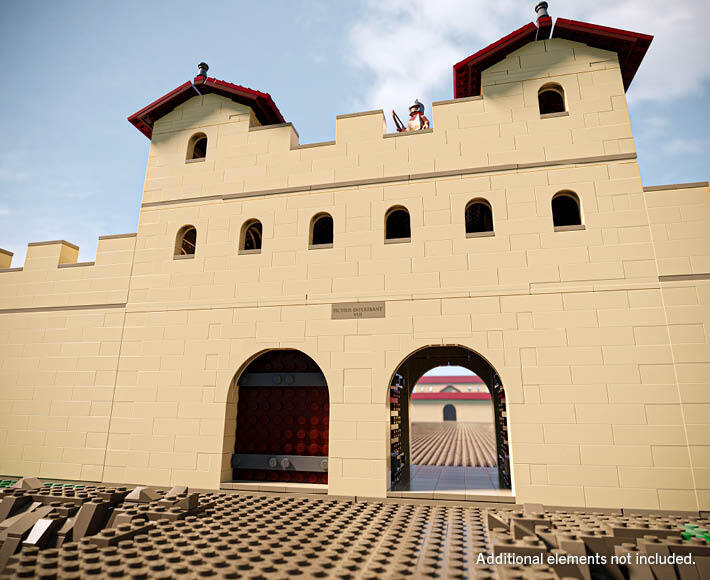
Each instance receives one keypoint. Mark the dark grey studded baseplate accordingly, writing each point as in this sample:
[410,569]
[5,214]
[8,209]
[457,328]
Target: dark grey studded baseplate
[100,532]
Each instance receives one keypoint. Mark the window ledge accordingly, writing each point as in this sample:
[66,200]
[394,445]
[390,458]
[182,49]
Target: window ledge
[407,133]
[398,240]
[570,228]
[319,246]
[245,252]
[553,115]
[480,234]
[184,257]
[76,265]
[199,160]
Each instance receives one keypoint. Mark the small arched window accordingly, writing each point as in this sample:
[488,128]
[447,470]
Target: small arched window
[479,218]
[449,413]
[321,233]
[397,224]
[197,147]
[250,239]
[186,241]
[566,211]
[551,99]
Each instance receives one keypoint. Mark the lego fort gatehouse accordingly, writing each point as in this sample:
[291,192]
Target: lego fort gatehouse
[266,325]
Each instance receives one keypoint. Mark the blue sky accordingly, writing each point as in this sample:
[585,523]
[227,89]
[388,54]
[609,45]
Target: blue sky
[72,167]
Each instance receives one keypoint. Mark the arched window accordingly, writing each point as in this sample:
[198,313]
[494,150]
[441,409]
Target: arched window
[321,233]
[566,210]
[449,413]
[397,224]
[479,217]
[551,99]
[186,241]
[250,239]
[197,147]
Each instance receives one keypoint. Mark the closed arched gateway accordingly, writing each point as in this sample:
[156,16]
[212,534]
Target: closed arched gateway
[281,430]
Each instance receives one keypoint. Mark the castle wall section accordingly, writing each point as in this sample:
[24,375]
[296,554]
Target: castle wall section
[564,316]
[572,320]
[62,324]
[467,410]
[680,224]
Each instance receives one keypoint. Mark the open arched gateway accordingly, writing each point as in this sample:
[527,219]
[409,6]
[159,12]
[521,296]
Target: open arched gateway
[281,420]
[401,386]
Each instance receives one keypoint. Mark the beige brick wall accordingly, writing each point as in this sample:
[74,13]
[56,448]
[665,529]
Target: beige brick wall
[51,276]
[467,410]
[62,326]
[605,379]
[57,379]
[501,128]
[680,226]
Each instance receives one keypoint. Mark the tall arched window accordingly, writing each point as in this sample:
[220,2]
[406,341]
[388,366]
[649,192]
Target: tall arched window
[197,147]
[479,218]
[186,241]
[397,224]
[250,239]
[551,99]
[321,231]
[566,212]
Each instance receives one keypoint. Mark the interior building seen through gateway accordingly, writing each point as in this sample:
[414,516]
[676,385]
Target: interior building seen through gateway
[449,432]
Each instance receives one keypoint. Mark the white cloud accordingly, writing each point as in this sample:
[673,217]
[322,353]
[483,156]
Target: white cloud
[681,146]
[657,123]
[409,47]
[676,64]
[13,176]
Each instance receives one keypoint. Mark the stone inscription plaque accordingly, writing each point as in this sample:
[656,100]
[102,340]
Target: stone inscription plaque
[347,310]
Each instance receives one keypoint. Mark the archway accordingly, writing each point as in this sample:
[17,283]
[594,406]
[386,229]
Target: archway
[449,413]
[410,370]
[282,420]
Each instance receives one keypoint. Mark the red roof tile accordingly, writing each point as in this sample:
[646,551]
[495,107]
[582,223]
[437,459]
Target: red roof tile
[629,46]
[446,396]
[264,107]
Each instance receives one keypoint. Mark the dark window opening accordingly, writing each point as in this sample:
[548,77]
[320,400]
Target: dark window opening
[397,225]
[565,210]
[199,151]
[322,232]
[186,241]
[551,100]
[252,236]
[197,147]
[449,413]
[479,218]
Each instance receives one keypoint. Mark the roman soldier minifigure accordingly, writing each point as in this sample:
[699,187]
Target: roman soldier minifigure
[417,120]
